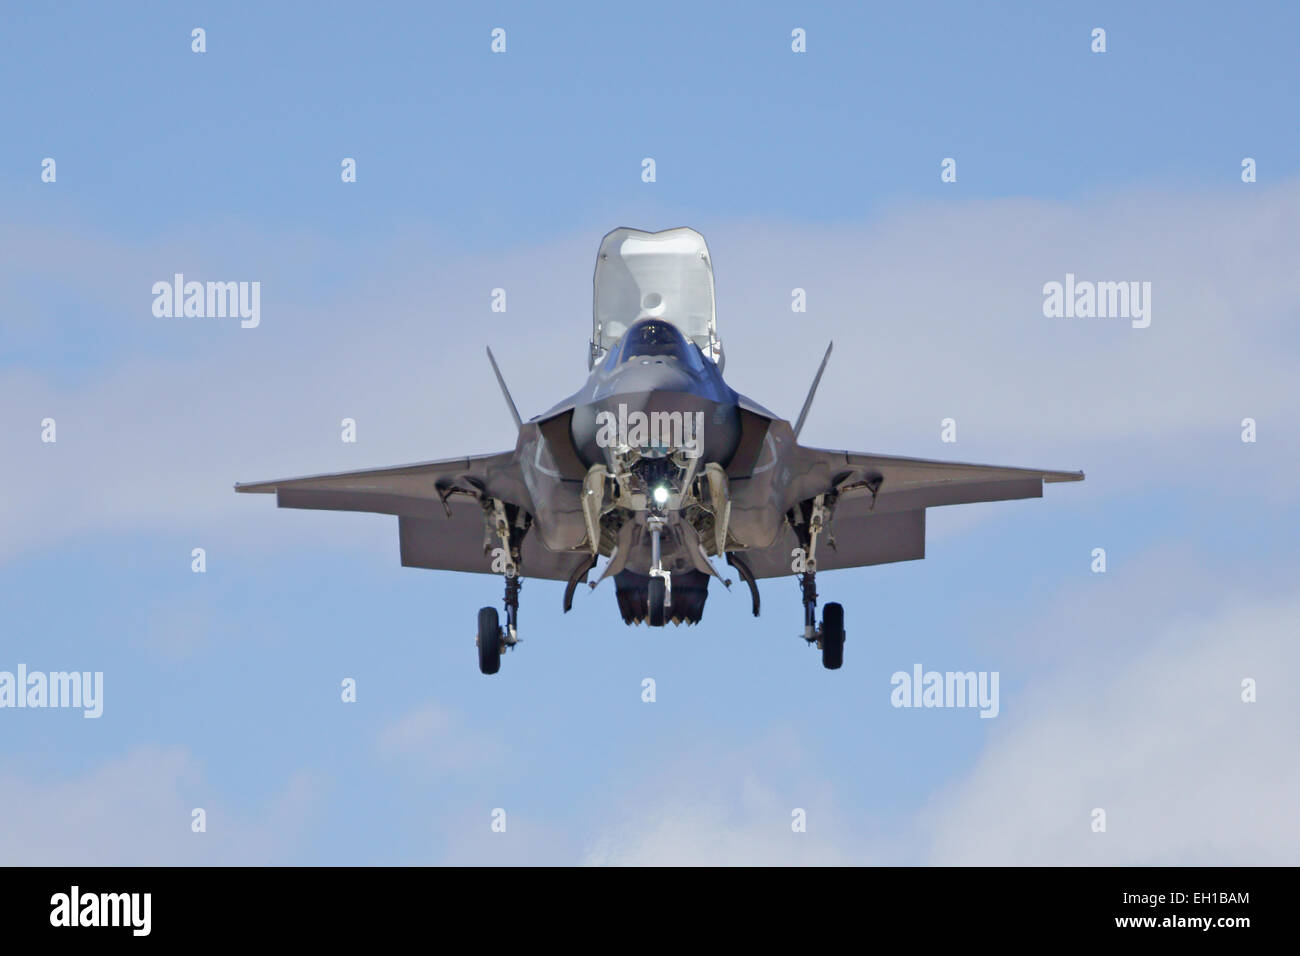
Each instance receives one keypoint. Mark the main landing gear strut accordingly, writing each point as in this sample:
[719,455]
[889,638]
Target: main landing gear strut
[492,637]
[508,524]
[810,519]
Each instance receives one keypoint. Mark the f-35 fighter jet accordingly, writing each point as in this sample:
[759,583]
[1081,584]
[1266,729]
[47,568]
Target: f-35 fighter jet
[659,467]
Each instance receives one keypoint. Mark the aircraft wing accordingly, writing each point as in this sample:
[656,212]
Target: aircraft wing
[440,521]
[906,483]
[889,525]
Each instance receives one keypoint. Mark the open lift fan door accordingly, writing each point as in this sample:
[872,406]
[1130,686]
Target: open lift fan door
[654,275]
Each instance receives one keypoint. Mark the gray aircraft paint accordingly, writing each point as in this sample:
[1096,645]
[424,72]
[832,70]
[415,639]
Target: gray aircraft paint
[879,502]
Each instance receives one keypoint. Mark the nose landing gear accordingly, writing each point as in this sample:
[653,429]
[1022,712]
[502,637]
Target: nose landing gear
[660,597]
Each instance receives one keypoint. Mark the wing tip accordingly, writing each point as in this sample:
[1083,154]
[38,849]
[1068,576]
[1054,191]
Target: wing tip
[254,487]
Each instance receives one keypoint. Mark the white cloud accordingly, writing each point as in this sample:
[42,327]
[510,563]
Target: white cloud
[528,840]
[135,810]
[1159,738]
[715,834]
[1145,722]
[433,740]
[734,809]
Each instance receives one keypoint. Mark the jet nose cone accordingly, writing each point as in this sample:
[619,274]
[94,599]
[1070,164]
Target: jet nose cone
[652,375]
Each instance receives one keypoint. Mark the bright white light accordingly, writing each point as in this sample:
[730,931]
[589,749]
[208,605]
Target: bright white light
[661,495]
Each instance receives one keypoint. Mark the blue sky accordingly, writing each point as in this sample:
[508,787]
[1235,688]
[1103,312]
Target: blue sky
[816,170]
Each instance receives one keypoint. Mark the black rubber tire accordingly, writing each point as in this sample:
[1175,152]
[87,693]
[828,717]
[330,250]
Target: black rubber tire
[489,641]
[832,637]
[655,603]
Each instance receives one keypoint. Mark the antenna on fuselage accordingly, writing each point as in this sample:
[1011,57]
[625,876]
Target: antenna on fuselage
[514,412]
[807,405]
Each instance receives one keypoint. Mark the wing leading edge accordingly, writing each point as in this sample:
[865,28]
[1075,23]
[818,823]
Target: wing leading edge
[416,489]
[437,503]
[900,484]
[880,503]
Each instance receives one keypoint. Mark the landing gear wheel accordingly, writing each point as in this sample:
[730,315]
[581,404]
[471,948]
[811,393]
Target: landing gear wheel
[489,640]
[832,636]
[655,603]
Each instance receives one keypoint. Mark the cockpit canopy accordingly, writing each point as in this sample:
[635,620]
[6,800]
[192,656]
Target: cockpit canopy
[654,338]
[653,275]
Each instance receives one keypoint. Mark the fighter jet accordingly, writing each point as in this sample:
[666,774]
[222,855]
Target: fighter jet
[660,468]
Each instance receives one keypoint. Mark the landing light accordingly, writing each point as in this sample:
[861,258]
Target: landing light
[661,495]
